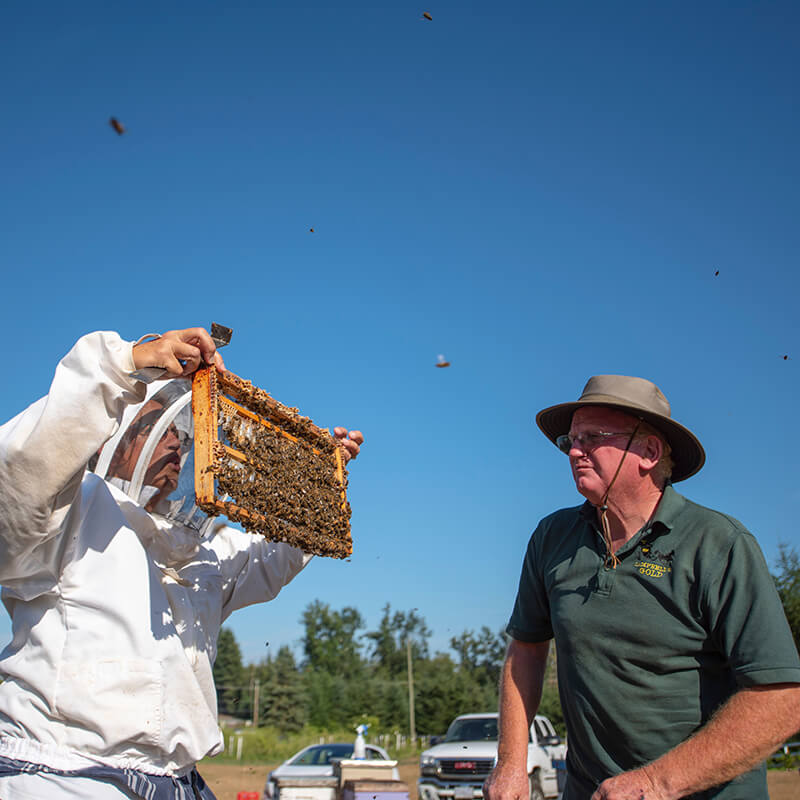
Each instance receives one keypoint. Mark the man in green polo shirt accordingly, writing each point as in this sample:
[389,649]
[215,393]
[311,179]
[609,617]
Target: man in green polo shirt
[677,670]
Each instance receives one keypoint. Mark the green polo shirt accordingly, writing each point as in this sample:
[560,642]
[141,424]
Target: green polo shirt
[648,651]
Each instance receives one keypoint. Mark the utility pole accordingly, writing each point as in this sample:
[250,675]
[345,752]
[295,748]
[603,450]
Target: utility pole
[252,682]
[255,704]
[411,728]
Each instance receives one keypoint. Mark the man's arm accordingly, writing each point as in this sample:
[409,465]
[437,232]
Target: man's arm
[520,693]
[745,730]
[44,449]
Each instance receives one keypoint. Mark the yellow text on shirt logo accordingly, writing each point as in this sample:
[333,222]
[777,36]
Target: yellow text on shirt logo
[651,570]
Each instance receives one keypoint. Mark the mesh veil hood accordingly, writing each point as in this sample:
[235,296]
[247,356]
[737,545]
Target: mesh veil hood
[165,411]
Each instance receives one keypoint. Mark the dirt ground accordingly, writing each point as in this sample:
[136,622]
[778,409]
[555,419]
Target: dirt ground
[228,780]
[783,784]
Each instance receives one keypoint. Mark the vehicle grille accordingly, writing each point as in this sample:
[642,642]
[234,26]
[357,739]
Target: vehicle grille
[483,766]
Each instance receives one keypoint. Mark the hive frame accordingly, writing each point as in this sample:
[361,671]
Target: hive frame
[212,388]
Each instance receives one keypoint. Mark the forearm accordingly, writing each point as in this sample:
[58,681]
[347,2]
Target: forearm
[253,569]
[738,737]
[520,692]
[521,684]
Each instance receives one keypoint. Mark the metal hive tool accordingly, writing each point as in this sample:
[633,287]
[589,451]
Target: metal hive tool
[263,465]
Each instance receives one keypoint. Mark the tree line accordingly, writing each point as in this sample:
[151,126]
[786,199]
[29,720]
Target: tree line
[348,674]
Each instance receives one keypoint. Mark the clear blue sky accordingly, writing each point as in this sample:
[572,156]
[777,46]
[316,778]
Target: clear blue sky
[538,191]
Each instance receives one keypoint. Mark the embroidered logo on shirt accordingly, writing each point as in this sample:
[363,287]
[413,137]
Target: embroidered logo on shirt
[651,570]
[653,563]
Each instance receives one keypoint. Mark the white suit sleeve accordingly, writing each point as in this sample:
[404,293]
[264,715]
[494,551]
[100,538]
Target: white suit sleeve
[253,569]
[45,449]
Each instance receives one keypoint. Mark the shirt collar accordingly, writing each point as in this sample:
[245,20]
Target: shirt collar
[667,511]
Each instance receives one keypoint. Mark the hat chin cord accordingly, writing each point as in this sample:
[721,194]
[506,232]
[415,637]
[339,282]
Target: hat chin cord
[603,507]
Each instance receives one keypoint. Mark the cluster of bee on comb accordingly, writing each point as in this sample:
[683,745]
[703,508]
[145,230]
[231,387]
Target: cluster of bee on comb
[288,488]
[287,418]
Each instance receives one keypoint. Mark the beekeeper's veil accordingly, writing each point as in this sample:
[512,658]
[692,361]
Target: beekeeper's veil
[128,458]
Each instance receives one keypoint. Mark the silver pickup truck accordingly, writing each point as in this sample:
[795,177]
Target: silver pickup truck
[456,768]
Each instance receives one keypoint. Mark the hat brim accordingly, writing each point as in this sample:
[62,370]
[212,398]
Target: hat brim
[687,452]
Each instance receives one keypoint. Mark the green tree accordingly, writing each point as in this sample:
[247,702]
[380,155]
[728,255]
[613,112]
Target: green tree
[254,675]
[229,674]
[330,640]
[320,689]
[389,648]
[391,703]
[283,696]
[335,676]
[443,691]
[481,654]
[787,582]
[336,701]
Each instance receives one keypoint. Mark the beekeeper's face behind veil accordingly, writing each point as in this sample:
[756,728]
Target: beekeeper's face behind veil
[151,457]
[165,463]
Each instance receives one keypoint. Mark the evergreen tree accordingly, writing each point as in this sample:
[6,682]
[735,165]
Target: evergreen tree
[391,704]
[284,702]
[443,691]
[229,674]
[319,689]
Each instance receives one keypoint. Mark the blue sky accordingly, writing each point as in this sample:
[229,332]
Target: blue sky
[540,192]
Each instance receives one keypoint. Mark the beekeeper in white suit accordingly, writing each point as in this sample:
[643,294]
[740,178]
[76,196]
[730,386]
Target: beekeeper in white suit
[115,582]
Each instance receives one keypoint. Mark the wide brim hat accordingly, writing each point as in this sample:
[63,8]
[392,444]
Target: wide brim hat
[641,399]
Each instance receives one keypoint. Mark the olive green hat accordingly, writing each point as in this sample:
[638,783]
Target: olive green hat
[641,399]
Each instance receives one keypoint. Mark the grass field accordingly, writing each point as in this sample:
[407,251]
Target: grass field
[227,780]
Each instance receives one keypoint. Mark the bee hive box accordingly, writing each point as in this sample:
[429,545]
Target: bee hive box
[263,465]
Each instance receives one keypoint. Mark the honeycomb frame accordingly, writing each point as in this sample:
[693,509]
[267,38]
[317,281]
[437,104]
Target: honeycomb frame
[286,478]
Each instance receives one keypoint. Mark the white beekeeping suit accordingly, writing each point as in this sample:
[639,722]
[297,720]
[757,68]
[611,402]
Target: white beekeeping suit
[116,588]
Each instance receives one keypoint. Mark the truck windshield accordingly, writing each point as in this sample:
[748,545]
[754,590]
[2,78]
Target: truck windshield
[472,730]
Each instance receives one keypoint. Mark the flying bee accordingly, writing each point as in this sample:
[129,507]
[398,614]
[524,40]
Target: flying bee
[441,362]
[117,125]
[427,15]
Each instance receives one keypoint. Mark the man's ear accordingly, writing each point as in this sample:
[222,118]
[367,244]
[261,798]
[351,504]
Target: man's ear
[651,452]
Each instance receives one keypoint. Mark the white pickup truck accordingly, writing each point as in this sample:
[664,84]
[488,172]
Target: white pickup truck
[456,768]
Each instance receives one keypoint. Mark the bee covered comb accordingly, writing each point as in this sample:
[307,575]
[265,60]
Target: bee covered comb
[265,466]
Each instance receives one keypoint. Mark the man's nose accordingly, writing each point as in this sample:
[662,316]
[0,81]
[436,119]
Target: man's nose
[172,437]
[576,448]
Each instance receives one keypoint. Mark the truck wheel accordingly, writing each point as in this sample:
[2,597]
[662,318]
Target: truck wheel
[537,793]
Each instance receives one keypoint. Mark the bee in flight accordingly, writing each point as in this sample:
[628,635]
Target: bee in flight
[427,15]
[117,125]
[441,362]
